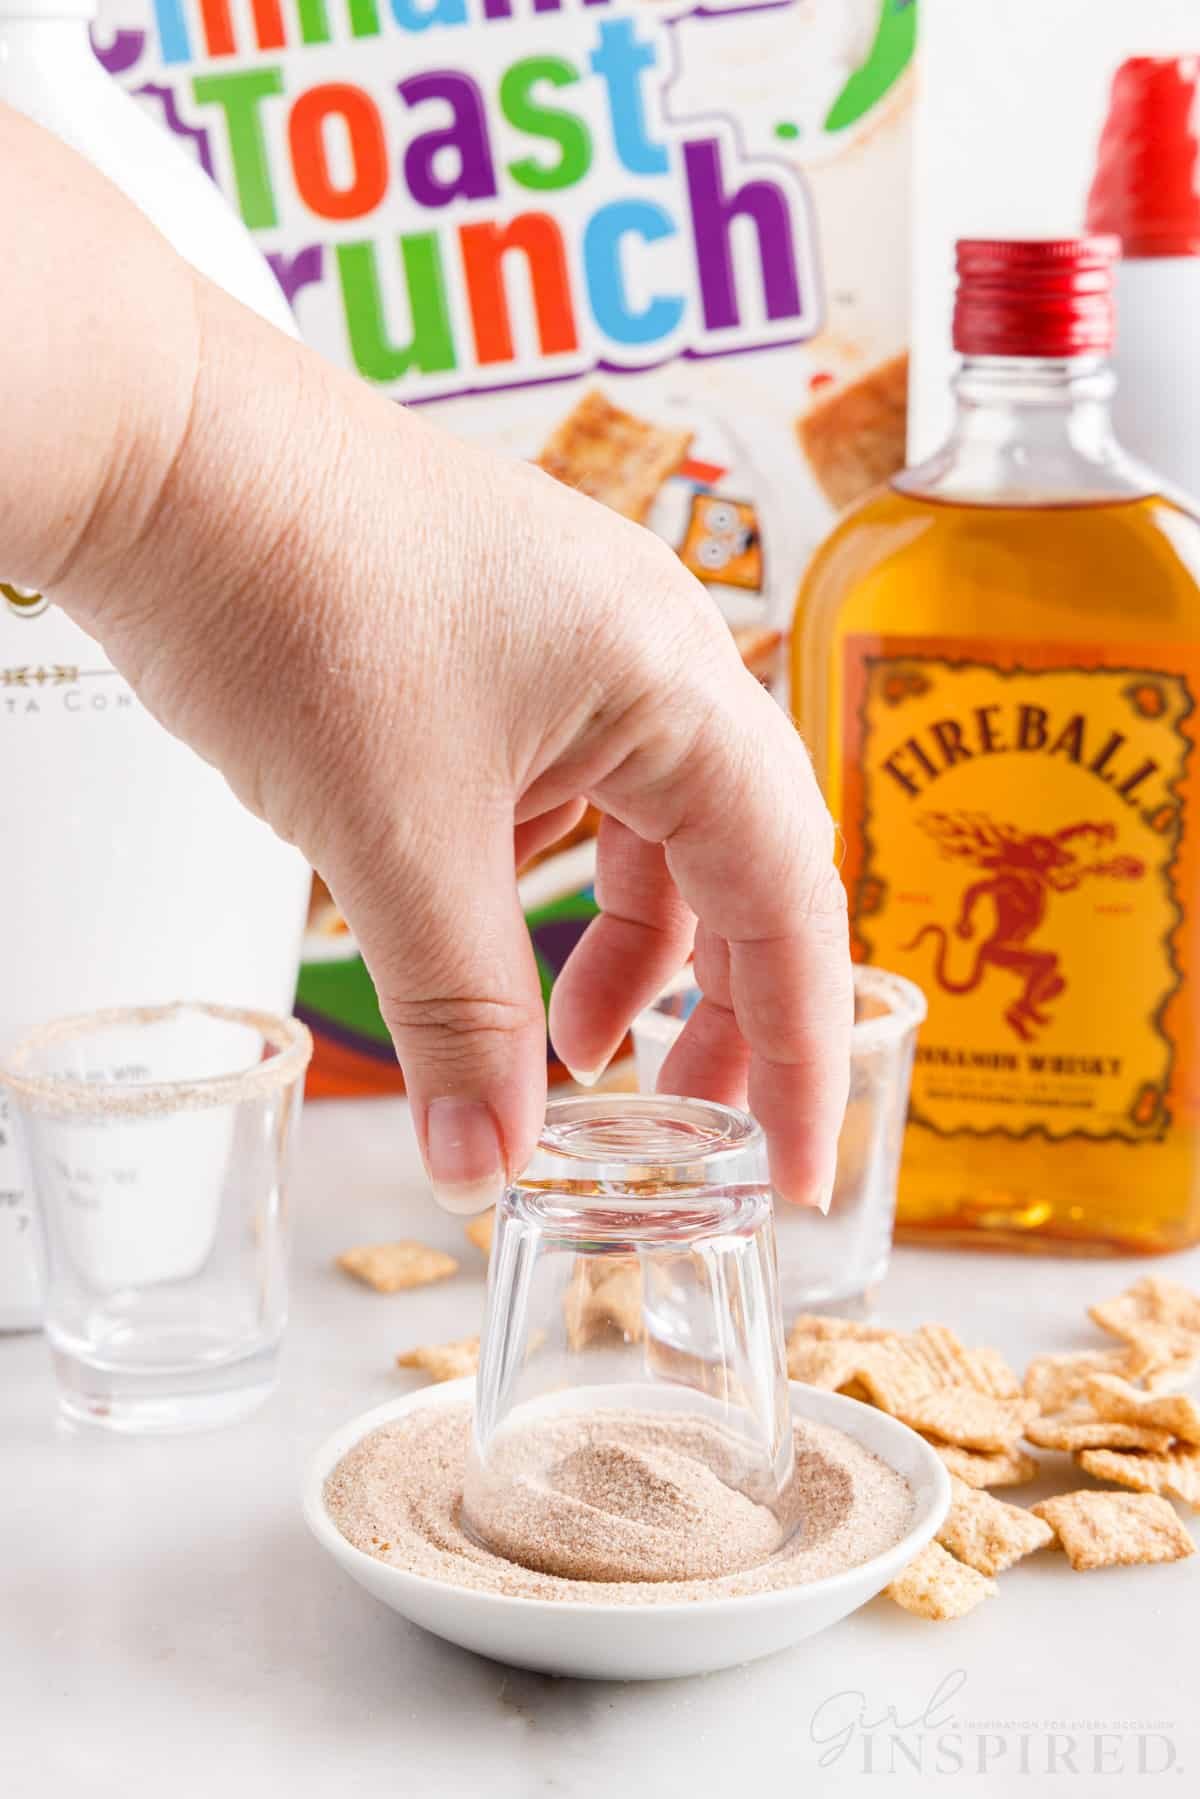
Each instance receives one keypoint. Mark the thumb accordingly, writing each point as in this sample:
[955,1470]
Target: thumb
[449,953]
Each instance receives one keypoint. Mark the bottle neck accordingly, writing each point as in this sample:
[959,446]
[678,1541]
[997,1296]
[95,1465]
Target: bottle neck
[1030,431]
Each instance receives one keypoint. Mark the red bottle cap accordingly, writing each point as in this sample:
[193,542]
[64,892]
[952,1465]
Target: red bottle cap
[1147,182]
[1034,297]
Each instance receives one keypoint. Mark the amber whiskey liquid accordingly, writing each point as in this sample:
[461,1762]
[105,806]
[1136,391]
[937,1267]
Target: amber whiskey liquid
[996,664]
[1014,859]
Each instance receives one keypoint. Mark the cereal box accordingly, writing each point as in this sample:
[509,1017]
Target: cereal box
[658,246]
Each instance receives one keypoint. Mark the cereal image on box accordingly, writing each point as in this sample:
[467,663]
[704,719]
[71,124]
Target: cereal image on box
[612,456]
[723,543]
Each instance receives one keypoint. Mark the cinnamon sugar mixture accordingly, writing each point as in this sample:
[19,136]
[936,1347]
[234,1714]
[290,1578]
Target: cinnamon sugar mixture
[618,1507]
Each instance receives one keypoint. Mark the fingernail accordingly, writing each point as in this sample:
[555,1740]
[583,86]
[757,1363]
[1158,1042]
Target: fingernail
[465,1155]
[585,1077]
[823,1197]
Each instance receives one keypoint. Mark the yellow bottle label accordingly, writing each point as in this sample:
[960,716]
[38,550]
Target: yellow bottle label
[1014,822]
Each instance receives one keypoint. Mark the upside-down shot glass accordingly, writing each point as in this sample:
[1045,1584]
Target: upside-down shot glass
[839,1259]
[158,1139]
[632,1301]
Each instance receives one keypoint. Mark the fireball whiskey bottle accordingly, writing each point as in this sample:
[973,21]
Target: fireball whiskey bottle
[997,667]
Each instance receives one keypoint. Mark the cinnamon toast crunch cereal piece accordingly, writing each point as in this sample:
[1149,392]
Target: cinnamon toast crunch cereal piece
[1115,1398]
[1056,1382]
[603,1296]
[618,1301]
[854,439]
[936,1586]
[392,1267]
[1162,1361]
[833,1365]
[1081,1429]
[986,1467]
[443,1361]
[1116,1530]
[971,1419]
[994,1374]
[900,1381]
[827,1329]
[1152,1307]
[481,1230]
[612,456]
[1175,1473]
[987,1534]
[891,1375]
[956,1366]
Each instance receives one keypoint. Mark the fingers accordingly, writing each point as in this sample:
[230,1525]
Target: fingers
[450,956]
[537,834]
[711,1059]
[750,846]
[642,937]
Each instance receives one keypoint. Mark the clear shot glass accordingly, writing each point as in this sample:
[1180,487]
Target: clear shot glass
[836,1260]
[158,1139]
[632,1342]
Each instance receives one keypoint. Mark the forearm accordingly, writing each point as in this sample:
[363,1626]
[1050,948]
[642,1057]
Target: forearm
[97,341]
[190,484]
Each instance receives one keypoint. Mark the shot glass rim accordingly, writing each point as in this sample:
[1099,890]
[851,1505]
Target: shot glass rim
[908,1007]
[65,1096]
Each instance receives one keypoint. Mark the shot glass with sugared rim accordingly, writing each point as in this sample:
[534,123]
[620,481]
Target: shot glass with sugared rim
[632,1360]
[835,1261]
[158,1139]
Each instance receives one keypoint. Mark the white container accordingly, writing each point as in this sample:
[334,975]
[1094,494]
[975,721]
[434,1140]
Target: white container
[1145,190]
[131,874]
[1156,408]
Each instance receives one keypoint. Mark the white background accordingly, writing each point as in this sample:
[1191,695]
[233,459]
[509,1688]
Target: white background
[1013,95]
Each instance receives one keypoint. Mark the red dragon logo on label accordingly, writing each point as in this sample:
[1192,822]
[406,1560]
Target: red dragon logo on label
[1023,869]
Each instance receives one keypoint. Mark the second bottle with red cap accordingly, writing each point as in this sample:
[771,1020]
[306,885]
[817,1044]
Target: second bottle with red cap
[1146,191]
[996,664]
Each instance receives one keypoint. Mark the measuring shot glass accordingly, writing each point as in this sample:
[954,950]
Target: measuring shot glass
[632,1273]
[838,1259]
[158,1139]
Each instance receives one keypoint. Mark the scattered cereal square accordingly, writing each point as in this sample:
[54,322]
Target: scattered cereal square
[1177,1413]
[986,1467]
[601,1296]
[826,1328]
[1116,1530]
[1081,1429]
[392,1267]
[935,1586]
[832,1364]
[481,1230]
[443,1361]
[1151,1306]
[1058,1381]
[987,1534]
[1175,1473]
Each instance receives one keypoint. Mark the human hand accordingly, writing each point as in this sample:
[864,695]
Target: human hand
[416,660]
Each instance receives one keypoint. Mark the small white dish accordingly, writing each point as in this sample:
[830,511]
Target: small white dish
[651,1642]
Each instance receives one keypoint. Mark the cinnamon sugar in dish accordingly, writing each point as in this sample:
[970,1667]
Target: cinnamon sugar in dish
[615,1507]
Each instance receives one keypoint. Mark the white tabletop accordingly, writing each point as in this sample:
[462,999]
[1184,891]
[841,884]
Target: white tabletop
[169,1629]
